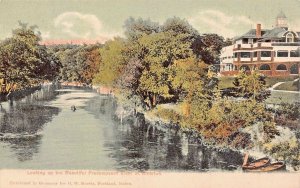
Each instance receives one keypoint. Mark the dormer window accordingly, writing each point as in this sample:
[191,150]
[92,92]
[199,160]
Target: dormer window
[250,41]
[289,37]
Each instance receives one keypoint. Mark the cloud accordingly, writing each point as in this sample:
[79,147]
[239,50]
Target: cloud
[213,21]
[45,34]
[77,25]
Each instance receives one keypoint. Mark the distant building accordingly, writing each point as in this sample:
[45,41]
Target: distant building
[274,52]
[71,42]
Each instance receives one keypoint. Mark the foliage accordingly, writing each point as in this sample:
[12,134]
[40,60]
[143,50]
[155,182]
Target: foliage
[222,120]
[208,47]
[92,64]
[288,114]
[79,63]
[131,75]
[251,85]
[162,50]
[187,76]
[177,25]
[158,62]
[287,150]
[168,115]
[112,62]
[135,28]
[23,62]
[291,111]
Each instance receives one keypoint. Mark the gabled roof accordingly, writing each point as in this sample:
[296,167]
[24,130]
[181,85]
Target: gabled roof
[274,33]
[251,34]
[277,32]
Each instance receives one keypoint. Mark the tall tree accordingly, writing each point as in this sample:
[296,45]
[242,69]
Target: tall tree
[112,62]
[19,57]
[135,28]
[208,47]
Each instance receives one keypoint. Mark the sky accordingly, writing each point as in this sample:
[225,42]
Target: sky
[104,19]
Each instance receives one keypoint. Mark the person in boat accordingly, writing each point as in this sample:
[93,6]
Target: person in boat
[73,108]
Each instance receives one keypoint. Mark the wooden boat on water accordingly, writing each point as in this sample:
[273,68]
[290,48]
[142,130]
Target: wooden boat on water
[276,166]
[257,164]
[262,165]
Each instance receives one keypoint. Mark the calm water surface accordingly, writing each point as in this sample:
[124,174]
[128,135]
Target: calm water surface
[41,131]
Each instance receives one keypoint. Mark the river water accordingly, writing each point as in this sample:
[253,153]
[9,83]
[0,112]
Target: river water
[41,131]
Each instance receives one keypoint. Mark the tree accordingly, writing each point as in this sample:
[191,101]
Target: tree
[135,28]
[112,62]
[49,64]
[251,85]
[92,64]
[19,58]
[177,25]
[72,63]
[208,47]
[161,50]
[130,77]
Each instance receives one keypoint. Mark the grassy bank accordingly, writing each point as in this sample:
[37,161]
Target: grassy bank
[226,82]
[289,86]
[273,80]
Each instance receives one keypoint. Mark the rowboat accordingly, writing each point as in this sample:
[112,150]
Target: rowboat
[276,166]
[257,164]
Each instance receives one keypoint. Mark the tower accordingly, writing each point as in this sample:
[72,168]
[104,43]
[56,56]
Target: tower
[281,20]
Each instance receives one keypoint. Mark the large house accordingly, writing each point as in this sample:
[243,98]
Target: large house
[274,52]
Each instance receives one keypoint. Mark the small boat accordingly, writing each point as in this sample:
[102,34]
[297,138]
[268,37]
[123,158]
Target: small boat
[257,164]
[276,166]
[73,108]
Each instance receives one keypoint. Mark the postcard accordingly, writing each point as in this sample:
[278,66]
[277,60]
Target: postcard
[161,93]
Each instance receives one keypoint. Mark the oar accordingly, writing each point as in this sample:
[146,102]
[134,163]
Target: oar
[245,159]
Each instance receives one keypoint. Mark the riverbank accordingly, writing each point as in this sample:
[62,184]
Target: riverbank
[274,149]
[19,93]
[142,140]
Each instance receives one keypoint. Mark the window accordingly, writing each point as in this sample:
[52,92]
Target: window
[245,54]
[265,67]
[294,69]
[281,67]
[265,54]
[254,54]
[245,41]
[250,41]
[235,55]
[289,37]
[295,53]
[245,67]
[282,54]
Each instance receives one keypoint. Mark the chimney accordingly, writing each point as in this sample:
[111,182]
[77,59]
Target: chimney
[258,30]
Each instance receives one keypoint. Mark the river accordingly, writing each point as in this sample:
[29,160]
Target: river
[40,131]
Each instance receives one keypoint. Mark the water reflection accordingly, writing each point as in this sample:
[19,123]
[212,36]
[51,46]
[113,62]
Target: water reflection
[138,145]
[21,121]
[25,118]
[91,138]
[26,147]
